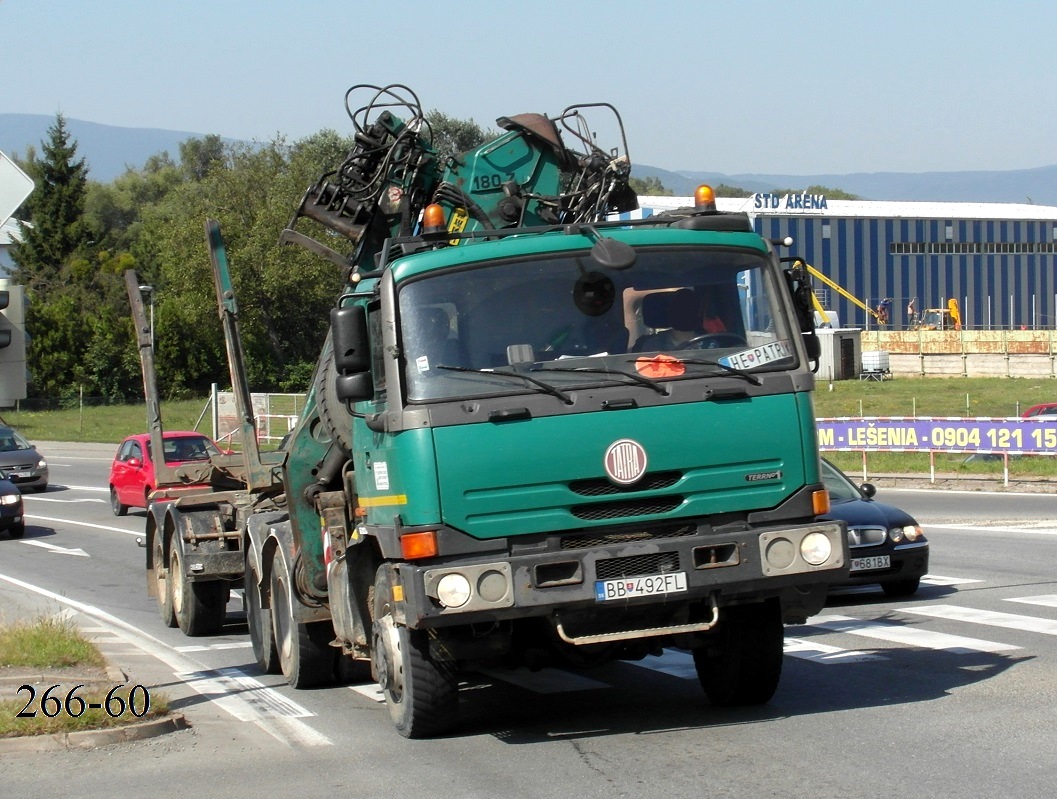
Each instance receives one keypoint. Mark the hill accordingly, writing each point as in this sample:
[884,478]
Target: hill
[108,150]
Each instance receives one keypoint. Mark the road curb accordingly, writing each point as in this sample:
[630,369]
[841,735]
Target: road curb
[93,739]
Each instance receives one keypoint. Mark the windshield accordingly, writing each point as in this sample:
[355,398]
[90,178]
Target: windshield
[840,488]
[559,319]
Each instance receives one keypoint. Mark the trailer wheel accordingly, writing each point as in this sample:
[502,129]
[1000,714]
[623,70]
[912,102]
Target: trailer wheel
[198,606]
[305,655]
[259,620]
[742,661]
[162,582]
[422,695]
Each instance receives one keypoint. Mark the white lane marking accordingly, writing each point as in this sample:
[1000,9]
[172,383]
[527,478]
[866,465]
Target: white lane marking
[935,579]
[824,653]
[289,731]
[84,524]
[545,681]
[910,636]
[370,690]
[223,685]
[88,488]
[672,662]
[982,529]
[55,548]
[65,501]
[212,647]
[1045,600]
[1010,621]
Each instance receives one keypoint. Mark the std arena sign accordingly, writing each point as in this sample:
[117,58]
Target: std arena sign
[983,435]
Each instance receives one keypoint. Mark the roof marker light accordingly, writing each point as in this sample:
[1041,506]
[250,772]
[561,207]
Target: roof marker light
[433,219]
[704,198]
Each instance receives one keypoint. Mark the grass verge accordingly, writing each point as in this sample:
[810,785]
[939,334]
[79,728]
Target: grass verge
[74,694]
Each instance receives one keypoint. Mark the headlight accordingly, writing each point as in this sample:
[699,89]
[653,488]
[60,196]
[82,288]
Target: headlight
[42,464]
[10,499]
[912,532]
[896,534]
[453,590]
[815,548]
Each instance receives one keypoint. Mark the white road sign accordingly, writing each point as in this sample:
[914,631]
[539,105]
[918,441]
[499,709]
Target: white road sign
[15,187]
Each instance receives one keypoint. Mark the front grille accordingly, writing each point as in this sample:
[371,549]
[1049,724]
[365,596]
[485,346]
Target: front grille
[600,487]
[618,510]
[866,536]
[637,565]
[592,541]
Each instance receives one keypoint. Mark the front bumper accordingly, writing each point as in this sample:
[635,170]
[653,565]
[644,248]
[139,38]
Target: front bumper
[564,575]
[908,561]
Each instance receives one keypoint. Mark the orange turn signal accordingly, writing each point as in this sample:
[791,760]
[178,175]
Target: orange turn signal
[704,198]
[433,219]
[415,546]
[820,502]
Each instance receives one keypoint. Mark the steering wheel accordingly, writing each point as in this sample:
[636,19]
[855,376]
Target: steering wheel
[711,341]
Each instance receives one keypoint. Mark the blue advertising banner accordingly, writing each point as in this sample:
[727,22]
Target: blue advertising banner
[1011,436]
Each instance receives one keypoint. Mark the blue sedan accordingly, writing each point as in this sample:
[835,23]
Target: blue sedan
[887,546]
[11,518]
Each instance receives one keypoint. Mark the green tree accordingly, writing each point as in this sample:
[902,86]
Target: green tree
[452,136]
[55,211]
[650,186]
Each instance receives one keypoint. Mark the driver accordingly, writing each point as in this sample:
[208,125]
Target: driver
[684,320]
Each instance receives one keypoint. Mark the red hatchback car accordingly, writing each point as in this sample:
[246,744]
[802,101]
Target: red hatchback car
[132,477]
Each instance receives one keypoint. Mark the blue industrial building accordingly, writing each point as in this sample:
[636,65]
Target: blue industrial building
[997,260]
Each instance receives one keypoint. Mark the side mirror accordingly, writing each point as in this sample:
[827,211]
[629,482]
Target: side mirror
[868,490]
[135,463]
[352,353]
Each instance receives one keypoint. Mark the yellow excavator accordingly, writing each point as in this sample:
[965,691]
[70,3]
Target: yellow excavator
[880,315]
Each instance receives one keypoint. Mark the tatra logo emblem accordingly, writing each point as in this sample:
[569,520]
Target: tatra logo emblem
[625,461]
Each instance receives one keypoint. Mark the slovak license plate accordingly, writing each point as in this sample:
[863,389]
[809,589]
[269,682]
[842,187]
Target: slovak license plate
[631,587]
[871,563]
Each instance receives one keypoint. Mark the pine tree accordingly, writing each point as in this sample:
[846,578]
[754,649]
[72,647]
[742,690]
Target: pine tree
[55,211]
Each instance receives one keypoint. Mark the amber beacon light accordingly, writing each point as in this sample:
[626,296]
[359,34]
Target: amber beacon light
[704,198]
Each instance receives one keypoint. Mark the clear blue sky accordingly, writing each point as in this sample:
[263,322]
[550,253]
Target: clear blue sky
[736,86]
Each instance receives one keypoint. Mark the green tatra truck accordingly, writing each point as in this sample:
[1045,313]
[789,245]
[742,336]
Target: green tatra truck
[539,432]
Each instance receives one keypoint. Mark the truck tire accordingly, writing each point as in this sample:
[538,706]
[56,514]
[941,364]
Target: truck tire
[259,621]
[305,655]
[331,410]
[162,582]
[198,606]
[422,695]
[742,661]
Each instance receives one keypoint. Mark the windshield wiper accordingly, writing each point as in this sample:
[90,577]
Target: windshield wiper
[729,369]
[640,379]
[546,387]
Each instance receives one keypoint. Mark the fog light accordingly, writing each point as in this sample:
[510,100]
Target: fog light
[815,548]
[453,590]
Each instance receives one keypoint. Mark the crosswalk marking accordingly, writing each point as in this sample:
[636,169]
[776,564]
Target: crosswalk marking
[258,700]
[1045,600]
[910,636]
[935,579]
[993,618]
[825,653]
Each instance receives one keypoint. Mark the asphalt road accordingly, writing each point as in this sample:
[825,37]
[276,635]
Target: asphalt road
[949,693]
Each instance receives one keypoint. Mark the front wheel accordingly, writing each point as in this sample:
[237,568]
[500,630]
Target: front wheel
[742,660]
[422,694]
[18,530]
